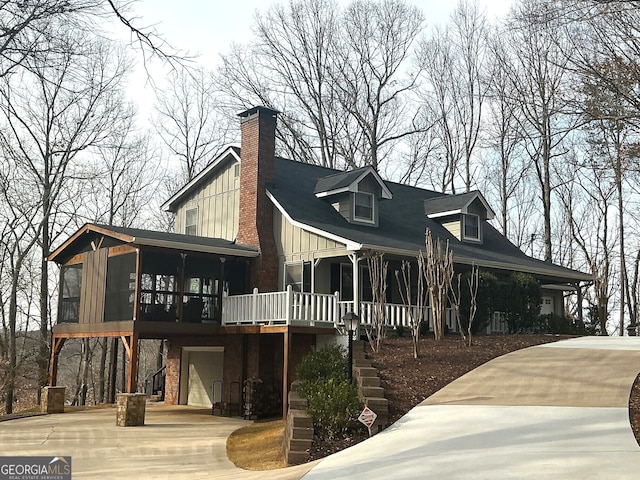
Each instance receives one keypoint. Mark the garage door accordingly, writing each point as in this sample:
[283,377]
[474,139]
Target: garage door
[205,367]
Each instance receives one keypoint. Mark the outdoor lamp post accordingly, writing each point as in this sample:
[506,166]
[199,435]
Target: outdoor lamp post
[350,320]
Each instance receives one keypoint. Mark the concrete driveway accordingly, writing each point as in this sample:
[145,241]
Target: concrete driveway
[175,443]
[553,411]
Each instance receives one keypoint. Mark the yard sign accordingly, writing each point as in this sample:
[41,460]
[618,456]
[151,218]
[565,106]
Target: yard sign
[367,417]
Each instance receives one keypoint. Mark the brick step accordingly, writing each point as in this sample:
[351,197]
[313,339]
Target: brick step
[378,405]
[297,458]
[300,444]
[300,419]
[302,433]
[296,402]
[361,362]
[368,382]
[372,392]
[365,371]
[381,422]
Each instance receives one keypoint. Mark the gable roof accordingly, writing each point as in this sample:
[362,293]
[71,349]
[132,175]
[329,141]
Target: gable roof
[455,204]
[402,224]
[150,238]
[231,152]
[348,182]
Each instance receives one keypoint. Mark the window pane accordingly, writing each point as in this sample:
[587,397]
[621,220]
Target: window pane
[191,220]
[70,304]
[364,206]
[471,226]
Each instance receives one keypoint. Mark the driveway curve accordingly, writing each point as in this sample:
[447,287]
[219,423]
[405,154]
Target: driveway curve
[558,410]
[552,411]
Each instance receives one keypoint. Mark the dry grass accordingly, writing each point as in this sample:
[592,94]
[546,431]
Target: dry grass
[257,446]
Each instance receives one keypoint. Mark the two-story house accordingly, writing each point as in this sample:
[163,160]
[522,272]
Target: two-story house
[267,256]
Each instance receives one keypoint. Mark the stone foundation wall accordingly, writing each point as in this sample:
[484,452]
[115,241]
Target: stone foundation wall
[298,430]
[52,400]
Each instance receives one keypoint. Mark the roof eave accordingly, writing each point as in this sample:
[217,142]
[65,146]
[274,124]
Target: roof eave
[151,242]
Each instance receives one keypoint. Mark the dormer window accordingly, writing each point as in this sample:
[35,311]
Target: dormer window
[355,195]
[463,215]
[471,227]
[363,207]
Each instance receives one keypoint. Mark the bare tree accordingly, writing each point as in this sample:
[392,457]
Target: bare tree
[18,239]
[374,46]
[473,282]
[455,297]
[345,77]
[289,63]
[415,312]
[28,28]
[190,122]
[587,196]
[615,147]
[456,64]
[537,68]
[378,276]
[61,105]
[439,274]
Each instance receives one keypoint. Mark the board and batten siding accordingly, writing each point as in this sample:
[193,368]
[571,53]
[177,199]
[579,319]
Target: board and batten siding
[217,202]
[298,245]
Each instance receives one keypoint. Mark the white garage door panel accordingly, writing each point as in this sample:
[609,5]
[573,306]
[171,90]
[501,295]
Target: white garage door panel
[204,368]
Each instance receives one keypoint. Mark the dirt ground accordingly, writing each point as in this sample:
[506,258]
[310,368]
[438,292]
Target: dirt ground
[407,381]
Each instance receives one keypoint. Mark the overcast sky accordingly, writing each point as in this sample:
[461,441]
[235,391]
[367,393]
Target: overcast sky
[208,27]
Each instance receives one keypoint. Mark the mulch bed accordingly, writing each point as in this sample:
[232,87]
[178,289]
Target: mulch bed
[407,381]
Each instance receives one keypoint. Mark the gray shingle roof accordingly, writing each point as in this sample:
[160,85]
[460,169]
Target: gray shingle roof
[338,180]
[402,223]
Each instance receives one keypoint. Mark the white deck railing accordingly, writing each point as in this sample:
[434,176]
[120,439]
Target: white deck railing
[312,309]
[280,308]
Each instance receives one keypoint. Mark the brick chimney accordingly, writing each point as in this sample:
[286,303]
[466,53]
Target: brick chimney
[257,171]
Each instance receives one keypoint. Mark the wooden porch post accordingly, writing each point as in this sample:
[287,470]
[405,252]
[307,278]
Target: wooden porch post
[220,291]
[579,300]
[355,260]
[285,373]
[56,346]
[138,284]
[131,346]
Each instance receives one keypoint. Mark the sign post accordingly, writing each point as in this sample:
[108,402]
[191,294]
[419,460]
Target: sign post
[367,417]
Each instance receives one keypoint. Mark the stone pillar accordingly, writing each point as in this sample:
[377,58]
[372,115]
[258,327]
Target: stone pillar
[52,400]
[130,409]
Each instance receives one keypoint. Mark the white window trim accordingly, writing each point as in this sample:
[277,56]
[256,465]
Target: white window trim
[464,230]
[186,226]
[371,220]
